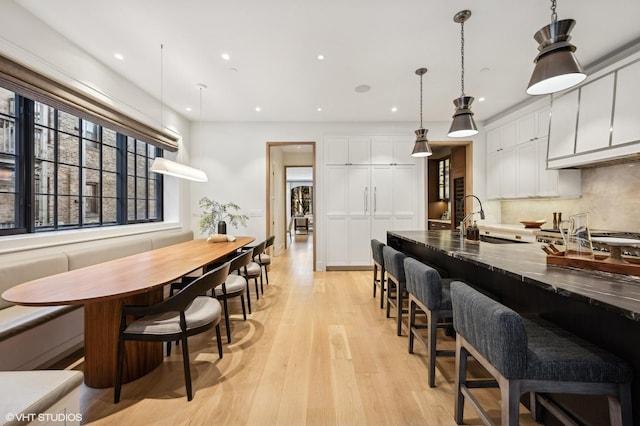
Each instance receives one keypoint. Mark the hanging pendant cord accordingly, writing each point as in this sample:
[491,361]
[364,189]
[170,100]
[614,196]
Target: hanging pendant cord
[161,87]
[421,101]
[462,56]
[554,15]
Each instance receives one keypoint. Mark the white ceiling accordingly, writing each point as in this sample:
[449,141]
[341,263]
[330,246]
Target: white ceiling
[273,47]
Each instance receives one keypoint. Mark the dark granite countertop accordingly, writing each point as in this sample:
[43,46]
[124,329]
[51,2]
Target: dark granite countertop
[527,263]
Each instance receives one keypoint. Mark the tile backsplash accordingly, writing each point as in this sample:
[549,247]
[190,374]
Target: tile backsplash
[611,196]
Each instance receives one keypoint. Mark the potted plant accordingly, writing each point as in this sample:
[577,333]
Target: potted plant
[216,215]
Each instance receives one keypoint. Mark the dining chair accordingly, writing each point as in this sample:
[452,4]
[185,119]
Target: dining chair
[235,285]
[264,259]
[187,313]
[253,270]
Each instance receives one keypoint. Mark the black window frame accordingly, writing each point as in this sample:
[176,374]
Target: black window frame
[25,179]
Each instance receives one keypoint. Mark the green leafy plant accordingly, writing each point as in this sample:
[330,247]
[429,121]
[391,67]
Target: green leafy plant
[214,212]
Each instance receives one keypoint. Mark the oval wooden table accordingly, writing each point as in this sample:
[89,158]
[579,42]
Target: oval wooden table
[105,287]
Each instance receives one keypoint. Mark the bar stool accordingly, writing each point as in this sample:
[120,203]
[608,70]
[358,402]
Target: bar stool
[431,294]
[378,265]
[394,267]
[529,354]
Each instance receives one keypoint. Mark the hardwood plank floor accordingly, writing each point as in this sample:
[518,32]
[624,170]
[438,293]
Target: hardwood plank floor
[317,350]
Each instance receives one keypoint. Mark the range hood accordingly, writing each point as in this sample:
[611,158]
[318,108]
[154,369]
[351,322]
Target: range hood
[610,156]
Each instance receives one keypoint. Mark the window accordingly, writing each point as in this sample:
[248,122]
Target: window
[79,170]
[8,161]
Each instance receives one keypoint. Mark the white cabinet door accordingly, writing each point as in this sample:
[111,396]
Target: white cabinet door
[358,192]
[562,132]
[547,179]
[526,128]
[382,150]
[382,187]
[402,148]
[336,192]
[494,140]
[527,169]
[336,150]
[508,135]
[360,240]
[626,125]
[542,122]
[509,172]
[494,190]
[337,244]
[359,150]
[594,117]
[404,191]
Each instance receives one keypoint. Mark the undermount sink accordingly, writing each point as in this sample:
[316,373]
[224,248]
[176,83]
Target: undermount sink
[496,240]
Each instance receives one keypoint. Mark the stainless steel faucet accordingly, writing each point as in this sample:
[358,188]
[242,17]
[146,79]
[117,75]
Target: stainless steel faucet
[467,217]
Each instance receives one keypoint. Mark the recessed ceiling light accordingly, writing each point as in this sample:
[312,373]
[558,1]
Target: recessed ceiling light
[321,57]
[226,56]
[484,69]
[363,88]
[258,109]
[394,109]
[319,109]
[481,99]
[188,109]
[119,56]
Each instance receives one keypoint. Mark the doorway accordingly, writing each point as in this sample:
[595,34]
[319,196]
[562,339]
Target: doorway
[449,177]
[291,200]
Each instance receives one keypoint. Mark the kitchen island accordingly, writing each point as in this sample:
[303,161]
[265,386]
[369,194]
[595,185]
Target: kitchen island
[600,307]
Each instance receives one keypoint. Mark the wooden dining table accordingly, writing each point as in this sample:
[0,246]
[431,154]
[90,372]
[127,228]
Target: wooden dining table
[105,287]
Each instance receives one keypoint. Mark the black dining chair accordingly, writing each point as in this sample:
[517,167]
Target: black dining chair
[235,285]
[184,314]
[253,270]
[264,259]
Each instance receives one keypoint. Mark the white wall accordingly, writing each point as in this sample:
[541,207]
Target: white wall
[234,157]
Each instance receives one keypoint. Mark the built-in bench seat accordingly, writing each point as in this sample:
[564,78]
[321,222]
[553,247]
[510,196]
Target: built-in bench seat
[40,397]
[36,337]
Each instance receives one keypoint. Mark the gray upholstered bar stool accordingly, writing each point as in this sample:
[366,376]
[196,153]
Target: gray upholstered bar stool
[529,354]
[378,265]
[394,267]
[431,294]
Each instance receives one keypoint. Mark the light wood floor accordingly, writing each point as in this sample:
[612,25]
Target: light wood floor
[317,350]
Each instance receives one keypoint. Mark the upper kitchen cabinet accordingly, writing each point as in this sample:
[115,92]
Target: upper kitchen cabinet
[502,137]
[562,131]
[594,117]
[392,150]
[626,124]
[597,122]
[347,150]
[533,126]
[519,170]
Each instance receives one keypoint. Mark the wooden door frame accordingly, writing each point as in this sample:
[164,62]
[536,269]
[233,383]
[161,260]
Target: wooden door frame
[268,191]
[468,181]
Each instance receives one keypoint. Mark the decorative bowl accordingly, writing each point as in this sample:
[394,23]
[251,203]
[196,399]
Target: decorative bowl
[533,223]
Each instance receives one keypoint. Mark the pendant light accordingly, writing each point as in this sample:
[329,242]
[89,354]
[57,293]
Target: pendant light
[556,67]
[463,124]
[421,148]
[165,166]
